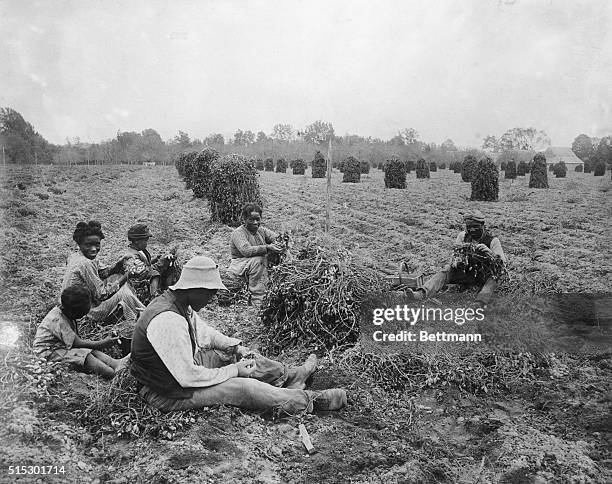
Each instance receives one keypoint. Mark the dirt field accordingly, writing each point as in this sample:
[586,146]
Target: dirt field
[551,427]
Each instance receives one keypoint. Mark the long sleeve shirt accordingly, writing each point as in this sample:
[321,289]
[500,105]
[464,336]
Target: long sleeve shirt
[169,334]
[245,244]
[495,245]
[82,271]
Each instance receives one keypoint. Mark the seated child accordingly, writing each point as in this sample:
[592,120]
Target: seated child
[57,337]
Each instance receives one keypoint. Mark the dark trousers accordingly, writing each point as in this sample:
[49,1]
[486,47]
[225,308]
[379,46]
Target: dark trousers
[457,276]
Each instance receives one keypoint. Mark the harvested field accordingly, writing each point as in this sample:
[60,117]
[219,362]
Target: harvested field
[553,424]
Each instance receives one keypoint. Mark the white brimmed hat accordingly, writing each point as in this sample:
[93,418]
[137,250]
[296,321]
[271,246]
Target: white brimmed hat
[200,272]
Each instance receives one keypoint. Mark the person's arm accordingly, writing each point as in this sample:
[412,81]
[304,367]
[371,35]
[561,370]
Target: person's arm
[100,290]
[168,333]
[94,345]
[241,242]
[496,248]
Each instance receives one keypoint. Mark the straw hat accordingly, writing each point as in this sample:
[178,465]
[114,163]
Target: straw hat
[139,231]
[201,272]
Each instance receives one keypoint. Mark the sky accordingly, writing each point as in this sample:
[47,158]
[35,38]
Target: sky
[448,69]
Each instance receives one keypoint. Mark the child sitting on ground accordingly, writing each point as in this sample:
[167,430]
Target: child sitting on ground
[57,337]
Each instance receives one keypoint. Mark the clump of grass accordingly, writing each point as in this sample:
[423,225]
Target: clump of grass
[26,211]
[42,196]
[56,191]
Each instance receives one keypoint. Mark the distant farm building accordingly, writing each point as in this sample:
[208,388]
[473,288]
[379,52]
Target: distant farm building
[555,154]
[148,163]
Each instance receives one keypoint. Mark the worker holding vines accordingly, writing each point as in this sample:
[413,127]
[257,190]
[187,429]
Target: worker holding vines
[146,276]
[57,336]
[110,296]
[249,246]
[478,259]
[183,363]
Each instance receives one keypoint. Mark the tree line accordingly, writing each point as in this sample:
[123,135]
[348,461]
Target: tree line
[23,145]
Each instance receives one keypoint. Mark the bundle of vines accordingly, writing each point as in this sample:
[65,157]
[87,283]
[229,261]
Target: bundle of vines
[433,166]
[365,167]
[315,299]
[351,170]
[184,166]
[298,166]
[522,168]
[395,173]
[600,168]
[233,183]
[509,170]
[457,167]
[200,172]
[503,166]
[259,165]
[120,410]
[538,177]
[473,261]
[319,166]
[468,167]
[485,181]
[281,165]
[422,169]
[410,166]
[560,170]
[442,166]
[476,373]
[269,164]
[381,166]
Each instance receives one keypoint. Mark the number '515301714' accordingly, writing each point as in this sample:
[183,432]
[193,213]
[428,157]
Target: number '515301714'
[36,470]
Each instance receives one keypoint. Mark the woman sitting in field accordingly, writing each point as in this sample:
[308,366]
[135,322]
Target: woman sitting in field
[250,245]
[57,337]
[83,270]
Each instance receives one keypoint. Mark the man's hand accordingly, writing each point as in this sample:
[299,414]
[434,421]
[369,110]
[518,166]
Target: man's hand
[483,248]
[274,248]
[242,351]
[245,368]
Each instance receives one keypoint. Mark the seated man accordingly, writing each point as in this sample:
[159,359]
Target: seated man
[183,363]
[57,337]
[476,233]
[145,276]
[249,245]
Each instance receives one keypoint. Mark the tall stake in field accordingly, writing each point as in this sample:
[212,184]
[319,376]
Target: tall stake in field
[329,169]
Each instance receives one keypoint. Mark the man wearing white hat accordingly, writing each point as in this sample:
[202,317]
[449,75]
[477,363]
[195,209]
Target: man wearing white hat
[183,363]
[474,232]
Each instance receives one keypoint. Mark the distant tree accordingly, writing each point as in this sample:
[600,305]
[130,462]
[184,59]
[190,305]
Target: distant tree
[410,136]
[214,139]
[524,139]
[364,167]
[448,145]
[599,169]
[583,147]
[604,151]
[282,132]
[244,138]
[318,132]
[21,141]
[181,139]
[261,137]
[490,143]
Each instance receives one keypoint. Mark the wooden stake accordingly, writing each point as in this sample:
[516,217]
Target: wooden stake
[306,439]
[329,170]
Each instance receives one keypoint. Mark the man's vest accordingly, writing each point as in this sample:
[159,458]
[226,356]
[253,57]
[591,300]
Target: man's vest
[147,367]
[486,238]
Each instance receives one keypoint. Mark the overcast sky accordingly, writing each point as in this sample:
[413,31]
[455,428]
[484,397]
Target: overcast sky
[449,69]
